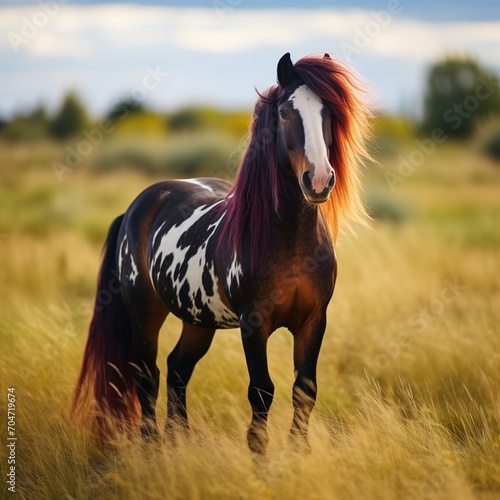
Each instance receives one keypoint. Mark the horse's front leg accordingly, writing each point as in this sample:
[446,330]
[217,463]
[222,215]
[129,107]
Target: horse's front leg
[261,387]
[307,344]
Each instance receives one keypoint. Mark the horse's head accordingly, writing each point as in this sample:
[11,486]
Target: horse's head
[304,134]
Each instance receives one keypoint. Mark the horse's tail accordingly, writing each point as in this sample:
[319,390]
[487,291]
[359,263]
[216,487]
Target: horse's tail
[105,391]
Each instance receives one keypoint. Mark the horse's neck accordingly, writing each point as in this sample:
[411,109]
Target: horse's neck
[297,222]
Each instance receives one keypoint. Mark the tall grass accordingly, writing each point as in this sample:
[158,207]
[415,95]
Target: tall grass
[409,373]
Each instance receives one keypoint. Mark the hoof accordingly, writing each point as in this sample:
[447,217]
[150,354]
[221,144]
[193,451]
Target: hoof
[149,432]
[257,439]
[176,429]
[299,441]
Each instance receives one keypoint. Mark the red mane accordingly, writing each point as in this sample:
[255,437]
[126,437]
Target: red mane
[256,192]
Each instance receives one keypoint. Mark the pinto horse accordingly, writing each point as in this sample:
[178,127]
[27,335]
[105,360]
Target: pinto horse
[256,255]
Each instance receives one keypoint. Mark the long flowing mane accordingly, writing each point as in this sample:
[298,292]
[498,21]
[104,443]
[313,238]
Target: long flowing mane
[257,191]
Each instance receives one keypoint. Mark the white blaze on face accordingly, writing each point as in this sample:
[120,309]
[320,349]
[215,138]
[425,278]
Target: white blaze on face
[309,106]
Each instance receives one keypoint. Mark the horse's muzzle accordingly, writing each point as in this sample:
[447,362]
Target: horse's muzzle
[317,190]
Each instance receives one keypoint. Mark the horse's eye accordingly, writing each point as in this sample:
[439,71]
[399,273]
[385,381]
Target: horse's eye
[283,115]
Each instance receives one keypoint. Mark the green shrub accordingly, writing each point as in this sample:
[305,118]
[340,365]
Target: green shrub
[70,119]
[491,147]
[177,156]
[382,205]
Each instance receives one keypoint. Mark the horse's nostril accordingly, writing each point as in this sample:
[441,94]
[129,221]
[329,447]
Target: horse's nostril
[331,182]
[306,179]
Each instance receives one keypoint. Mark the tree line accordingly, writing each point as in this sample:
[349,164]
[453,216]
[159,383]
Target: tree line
[459,93]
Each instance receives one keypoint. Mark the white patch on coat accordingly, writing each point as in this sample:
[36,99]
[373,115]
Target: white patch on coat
[234,273]
[309,106]
[169,241]
[134,273]
[150,270]
[121,252]
[156,233]
[169,244]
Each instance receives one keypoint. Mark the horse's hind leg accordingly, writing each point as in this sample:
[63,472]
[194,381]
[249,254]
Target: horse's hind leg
[147,321]
[191,347]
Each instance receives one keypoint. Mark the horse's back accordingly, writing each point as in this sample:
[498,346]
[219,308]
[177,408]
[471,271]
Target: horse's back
[172,227]
[163,196]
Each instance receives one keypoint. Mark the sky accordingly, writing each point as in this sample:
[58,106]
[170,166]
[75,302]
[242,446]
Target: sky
[172,53]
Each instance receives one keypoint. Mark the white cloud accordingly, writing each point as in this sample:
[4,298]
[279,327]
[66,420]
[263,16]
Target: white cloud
[103,49]
[426,41]
[81,31]
[51,45]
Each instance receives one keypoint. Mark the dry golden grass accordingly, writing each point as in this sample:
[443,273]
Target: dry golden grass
[409,373]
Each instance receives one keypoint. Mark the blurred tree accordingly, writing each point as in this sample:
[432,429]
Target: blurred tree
[488,137]
[208,118]
[70,119]
[492,147]
[124,108]
[459,91]
[39,115]
[186,119]
[29,127]
[391,133]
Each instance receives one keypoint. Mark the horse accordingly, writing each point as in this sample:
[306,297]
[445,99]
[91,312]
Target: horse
[258,255]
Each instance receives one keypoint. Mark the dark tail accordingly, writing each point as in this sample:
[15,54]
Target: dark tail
[106,391]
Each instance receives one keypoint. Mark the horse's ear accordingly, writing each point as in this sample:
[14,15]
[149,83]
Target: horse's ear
[285,70]
[326,56]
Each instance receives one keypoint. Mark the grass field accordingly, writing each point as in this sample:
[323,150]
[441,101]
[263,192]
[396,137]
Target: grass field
[409,373]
